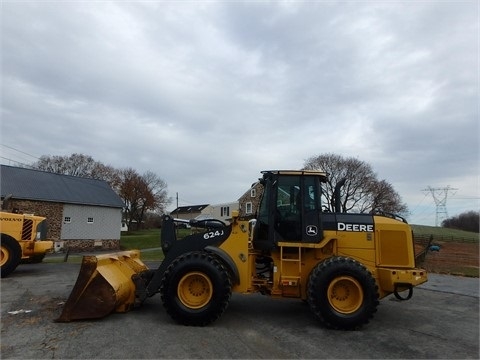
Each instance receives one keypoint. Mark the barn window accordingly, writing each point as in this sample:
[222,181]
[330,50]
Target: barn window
[90,220]
[253,192]
[67,219]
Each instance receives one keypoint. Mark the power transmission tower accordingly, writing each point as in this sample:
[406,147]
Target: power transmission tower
[440,196]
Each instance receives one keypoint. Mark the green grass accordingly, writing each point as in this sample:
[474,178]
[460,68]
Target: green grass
[465,271]
[72,259]
[445,234]
[143,239]
[148,242]
[153,255]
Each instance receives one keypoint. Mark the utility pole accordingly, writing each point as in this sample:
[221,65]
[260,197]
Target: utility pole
[440,196]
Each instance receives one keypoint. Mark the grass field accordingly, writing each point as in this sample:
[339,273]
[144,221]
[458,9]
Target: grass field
[446,234]
[147,241]
[457,254]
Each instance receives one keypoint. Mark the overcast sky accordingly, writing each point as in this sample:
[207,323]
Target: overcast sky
[208,94]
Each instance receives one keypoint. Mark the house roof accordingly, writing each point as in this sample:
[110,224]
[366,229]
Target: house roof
[29,184]
[189,209]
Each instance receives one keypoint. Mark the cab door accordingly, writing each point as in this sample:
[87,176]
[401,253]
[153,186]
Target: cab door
[297,213]
[289,211]
[311,210]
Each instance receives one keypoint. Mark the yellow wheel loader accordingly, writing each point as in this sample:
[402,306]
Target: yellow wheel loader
[22,239]
[341,264]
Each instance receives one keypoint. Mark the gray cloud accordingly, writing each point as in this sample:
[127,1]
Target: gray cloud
[207,95]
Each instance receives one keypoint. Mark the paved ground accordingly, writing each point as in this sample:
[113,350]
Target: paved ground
[440,321]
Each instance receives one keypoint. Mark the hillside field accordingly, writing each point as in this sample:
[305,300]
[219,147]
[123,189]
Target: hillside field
[446,251]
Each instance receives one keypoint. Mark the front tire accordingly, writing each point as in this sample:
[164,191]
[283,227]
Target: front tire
[342,293]
[196,289]
[10,256]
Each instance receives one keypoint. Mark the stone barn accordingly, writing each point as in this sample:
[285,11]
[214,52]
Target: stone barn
[83,214]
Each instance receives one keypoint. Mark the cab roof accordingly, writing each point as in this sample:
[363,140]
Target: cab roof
[297,172]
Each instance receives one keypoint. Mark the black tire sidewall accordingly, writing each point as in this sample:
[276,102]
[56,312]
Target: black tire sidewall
[14,255]
[321,278]
[221,288]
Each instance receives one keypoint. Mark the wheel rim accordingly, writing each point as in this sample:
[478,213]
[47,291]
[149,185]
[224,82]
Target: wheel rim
[4,256]
[345,294]
[195,290]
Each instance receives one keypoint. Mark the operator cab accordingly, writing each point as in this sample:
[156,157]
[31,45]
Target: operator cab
[290,209]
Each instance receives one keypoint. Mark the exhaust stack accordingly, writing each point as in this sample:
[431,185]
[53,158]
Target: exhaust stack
[336,194]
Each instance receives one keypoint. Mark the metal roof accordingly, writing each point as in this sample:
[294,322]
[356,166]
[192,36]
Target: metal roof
[29,184]
[189,209]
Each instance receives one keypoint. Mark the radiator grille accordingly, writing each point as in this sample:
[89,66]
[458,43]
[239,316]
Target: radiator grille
[393,248]
[27,229]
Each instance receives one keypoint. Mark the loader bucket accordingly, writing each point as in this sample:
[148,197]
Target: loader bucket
[104,285]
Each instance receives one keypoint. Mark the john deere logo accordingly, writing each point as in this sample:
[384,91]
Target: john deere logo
[312,230]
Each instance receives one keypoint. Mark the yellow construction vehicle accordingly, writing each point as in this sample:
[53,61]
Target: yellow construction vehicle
[341,264]
[23,238]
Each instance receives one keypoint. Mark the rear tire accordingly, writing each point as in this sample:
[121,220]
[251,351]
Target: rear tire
[342,293]
[196,289]
[10,256]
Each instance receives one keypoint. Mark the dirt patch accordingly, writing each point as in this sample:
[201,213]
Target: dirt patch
[31,310]
[454,258]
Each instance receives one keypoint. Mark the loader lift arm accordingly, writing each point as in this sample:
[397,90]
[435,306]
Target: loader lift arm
[148,282]
[120,281]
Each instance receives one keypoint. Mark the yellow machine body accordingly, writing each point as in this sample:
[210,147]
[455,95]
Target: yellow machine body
[387,252]
[23,237]
[340,264]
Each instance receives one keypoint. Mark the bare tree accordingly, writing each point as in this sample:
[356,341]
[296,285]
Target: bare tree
[142,193]
[385,198]
[362,191]
[79,165]
[75,164]
[107,173]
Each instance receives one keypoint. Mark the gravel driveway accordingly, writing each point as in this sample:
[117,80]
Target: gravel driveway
[440,321]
